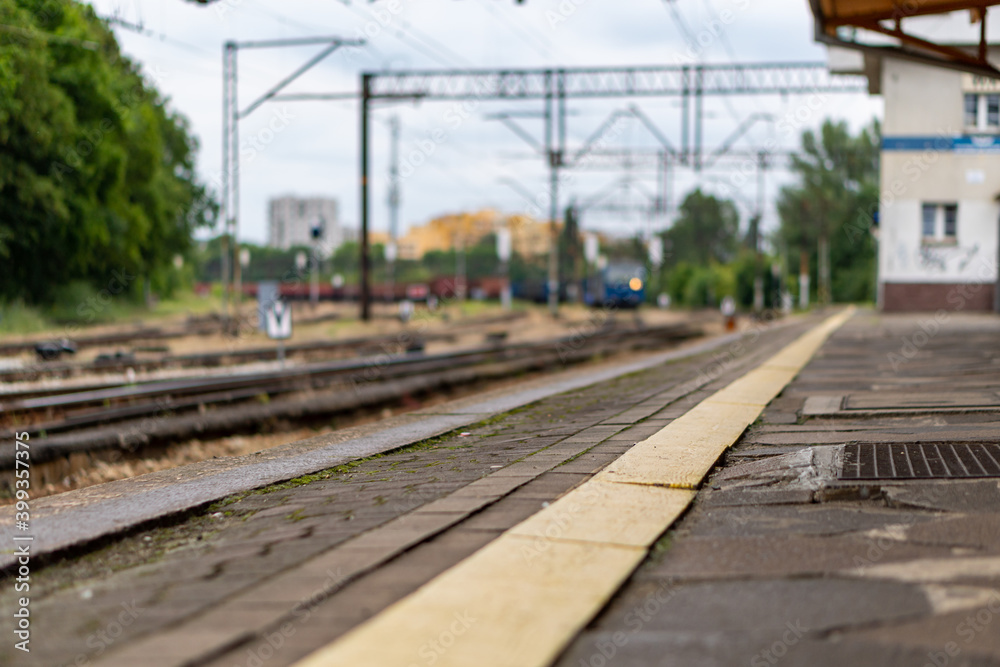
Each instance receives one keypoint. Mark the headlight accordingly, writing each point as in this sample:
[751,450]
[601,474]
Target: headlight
[635,284]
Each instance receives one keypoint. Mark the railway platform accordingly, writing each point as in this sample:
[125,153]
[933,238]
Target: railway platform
[823,491]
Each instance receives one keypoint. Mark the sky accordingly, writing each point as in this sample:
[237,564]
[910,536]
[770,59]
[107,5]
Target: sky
[311,148]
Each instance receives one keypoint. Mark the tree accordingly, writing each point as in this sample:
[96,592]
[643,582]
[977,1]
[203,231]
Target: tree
[838,186]
[705,231]
[97,182]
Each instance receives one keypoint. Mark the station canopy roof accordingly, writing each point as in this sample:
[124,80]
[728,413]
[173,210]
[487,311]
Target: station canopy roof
[881,27]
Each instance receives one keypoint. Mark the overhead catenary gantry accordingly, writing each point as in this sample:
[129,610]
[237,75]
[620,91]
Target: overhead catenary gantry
[231,115]
[691,82]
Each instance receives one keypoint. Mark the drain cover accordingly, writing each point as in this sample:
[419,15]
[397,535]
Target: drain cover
[921,461]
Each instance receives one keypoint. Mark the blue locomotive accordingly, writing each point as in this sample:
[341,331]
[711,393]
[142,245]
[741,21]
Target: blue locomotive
[622,285]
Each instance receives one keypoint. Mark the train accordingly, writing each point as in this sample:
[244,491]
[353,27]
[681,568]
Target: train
[618,285]
[621,284]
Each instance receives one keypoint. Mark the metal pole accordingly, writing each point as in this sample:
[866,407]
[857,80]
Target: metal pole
[758,276]
[996,286]
[553,281]
[393,201]
[365,287]
[314,275]
[685,114]
[697,117]
[235,148]
[224,263]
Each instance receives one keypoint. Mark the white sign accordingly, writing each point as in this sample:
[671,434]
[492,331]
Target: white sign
[975,176]
[279,321]
[656,251]
[591,247]
[390,251]
[503,244]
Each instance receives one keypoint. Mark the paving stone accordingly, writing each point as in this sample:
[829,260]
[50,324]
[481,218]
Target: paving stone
[957,496]
[804,520]
[666,649]
[764,496]
[777,555]
[819,604]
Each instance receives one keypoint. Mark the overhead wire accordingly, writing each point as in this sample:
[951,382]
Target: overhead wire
[521,34]
[409,35]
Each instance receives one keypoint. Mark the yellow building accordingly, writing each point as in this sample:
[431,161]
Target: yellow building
[448,232]
[529,237]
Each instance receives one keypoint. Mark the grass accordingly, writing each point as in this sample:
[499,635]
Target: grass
[17,318]
[74,316]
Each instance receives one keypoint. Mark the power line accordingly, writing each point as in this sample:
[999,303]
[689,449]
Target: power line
[141,29]
[522,34]
[425,44]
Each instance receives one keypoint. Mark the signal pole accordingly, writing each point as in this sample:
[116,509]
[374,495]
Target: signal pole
[390,252]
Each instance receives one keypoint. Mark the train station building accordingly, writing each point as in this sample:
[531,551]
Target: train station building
[939,212]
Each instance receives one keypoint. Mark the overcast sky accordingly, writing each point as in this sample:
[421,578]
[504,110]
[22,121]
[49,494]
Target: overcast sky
[316,150]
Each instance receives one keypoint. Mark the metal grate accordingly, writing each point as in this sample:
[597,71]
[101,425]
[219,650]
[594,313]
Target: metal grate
[921,461]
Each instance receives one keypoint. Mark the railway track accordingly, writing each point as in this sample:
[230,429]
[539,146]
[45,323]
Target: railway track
[395,342]
[130,418]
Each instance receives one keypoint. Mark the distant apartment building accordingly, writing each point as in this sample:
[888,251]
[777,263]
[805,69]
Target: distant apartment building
[938,215]
[291,220]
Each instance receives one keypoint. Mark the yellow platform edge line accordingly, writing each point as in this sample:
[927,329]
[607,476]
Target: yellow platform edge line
[518,601]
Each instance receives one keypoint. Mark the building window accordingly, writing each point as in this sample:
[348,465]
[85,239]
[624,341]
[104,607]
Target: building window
[930,219]
[981,112]
[950,220]
[971,110]
[939,222]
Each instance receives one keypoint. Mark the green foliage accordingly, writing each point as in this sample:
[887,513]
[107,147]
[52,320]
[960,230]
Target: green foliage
[835,197]
[701,286]
[705,231]
[97,178]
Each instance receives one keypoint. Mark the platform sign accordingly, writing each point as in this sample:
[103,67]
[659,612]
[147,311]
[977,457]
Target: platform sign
[279,320]
[591,247]
[656,251]
[503,244]
[267,293]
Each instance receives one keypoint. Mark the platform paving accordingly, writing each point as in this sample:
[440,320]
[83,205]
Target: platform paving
[779,562]
[268,576]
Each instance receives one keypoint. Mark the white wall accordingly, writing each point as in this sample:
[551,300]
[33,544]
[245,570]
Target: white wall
[926,101]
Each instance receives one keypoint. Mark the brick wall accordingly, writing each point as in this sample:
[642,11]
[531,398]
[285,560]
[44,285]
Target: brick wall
[909,297]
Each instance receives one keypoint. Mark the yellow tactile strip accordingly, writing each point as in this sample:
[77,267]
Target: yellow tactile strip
[519,600]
